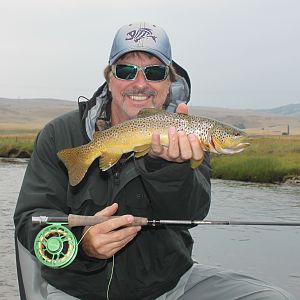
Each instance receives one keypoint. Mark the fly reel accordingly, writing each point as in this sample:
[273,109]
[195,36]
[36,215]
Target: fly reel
[55,246]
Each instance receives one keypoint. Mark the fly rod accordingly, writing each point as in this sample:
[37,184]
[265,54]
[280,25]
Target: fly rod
[78,220]
[56,246]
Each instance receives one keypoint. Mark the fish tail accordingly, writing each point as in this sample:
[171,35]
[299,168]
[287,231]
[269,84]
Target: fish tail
[77,162]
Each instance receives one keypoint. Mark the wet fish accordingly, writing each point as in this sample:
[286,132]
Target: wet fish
[135,136]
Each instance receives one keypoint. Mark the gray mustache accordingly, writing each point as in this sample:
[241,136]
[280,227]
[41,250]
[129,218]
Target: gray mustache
[134,92]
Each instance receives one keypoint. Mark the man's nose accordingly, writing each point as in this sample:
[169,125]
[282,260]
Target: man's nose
[140,78]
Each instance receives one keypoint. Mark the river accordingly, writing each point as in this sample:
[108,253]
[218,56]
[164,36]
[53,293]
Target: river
[269,253]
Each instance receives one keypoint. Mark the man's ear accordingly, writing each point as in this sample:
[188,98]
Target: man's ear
[108,82]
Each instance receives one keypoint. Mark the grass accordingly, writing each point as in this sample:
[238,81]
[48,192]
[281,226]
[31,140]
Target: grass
[268,159]
[16,145]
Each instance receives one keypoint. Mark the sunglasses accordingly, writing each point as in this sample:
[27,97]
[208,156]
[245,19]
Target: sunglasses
[151,72]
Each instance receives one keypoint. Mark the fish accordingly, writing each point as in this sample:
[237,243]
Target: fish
[135,135]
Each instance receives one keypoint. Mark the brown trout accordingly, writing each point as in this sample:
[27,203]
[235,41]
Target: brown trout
[135,136]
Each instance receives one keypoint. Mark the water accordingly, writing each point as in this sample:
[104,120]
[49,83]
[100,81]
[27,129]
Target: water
[269,253]
[11,175]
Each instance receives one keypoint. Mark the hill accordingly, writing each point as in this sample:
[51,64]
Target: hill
[24,116]
[292,110]
[30,115]
[253,121]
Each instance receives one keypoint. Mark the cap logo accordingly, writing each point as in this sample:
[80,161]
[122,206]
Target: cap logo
[141,33]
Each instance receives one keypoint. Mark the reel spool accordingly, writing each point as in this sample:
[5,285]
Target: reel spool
[55,246]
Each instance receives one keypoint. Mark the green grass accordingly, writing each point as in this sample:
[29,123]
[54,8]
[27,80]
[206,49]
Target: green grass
[272,159]
[16,146]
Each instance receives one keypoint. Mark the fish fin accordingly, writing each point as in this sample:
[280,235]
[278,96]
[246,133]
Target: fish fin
[77,163]
[141,150]
[206,146]
[145,112]
[196,163]
[108,159]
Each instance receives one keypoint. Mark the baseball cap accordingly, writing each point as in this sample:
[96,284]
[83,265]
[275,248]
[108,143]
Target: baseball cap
[141,36]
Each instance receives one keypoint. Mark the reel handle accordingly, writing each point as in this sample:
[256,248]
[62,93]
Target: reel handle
[77,220]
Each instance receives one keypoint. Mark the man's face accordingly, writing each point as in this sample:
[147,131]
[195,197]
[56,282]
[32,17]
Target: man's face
[130,96]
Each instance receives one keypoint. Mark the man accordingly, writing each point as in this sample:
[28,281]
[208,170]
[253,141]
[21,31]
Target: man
[116,261]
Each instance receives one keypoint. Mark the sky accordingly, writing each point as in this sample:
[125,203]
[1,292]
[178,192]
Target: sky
[242,54]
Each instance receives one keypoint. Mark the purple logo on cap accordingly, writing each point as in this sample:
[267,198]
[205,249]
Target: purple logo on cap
[139,34]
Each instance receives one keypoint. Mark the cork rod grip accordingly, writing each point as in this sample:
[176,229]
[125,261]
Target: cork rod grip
[77,220]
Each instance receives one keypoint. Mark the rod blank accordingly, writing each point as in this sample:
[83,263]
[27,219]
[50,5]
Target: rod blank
[195,222]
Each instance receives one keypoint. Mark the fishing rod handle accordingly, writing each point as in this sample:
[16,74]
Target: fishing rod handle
[77,220]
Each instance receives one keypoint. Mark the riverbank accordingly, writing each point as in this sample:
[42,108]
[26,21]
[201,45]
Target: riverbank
[16,146]
[273,159]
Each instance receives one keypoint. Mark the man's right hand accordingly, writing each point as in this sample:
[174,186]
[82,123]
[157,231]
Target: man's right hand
[103,240]
[182,147]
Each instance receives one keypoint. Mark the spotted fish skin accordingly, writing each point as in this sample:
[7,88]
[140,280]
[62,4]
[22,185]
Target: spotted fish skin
[135,135]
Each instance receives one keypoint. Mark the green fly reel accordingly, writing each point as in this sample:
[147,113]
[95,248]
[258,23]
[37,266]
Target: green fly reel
[55,246]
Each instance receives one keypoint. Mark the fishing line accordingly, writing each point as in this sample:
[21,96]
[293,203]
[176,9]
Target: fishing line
[111,276]
[112,267]
[85,234]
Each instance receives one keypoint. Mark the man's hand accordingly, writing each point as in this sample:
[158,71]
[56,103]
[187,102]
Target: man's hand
[105,239]
[181,147]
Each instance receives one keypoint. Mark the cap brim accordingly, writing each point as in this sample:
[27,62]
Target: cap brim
[154,52]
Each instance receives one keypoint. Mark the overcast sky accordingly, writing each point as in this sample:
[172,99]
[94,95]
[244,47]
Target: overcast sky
[239,53]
